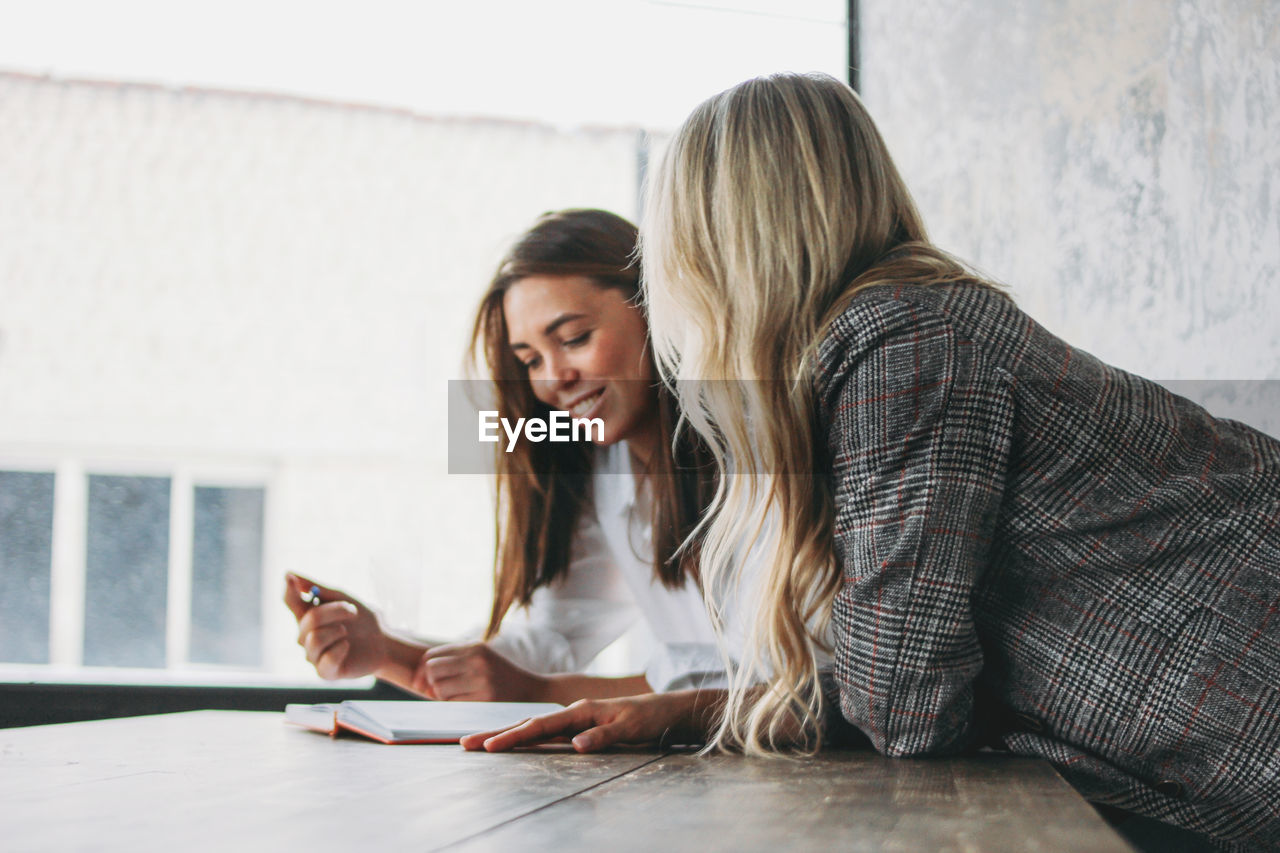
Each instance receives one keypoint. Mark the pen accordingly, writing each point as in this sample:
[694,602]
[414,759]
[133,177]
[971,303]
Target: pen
[312,596]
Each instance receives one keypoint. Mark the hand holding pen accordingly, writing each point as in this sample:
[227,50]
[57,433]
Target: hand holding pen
[340,635]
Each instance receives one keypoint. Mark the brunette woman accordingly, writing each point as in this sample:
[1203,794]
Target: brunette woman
[588,535]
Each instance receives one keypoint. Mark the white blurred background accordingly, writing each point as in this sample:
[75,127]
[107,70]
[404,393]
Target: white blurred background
[240,249]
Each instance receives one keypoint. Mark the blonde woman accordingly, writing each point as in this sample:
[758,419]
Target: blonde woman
[1015,544]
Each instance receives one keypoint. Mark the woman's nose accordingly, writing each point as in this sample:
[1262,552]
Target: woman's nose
[558,373]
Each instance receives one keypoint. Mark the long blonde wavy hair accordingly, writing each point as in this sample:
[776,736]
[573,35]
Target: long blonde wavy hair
[775,202]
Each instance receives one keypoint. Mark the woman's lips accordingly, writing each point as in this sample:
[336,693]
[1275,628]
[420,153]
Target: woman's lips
[584,406]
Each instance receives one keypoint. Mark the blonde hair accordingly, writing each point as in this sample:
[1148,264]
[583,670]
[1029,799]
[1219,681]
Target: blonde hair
[775,201]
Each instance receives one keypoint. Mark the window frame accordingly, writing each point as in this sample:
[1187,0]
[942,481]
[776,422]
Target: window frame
[27,700]
[44,703]
[70,525]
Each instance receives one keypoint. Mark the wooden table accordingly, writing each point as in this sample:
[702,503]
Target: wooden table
[238,781]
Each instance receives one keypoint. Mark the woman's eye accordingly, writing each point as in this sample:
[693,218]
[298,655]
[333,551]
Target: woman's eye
[531,363]
[577,340]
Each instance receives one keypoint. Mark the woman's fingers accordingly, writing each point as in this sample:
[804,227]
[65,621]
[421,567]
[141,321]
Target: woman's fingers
[461,673]
[420,684]
[498,740]
[598,738]
[296,585]
[475,741]
[464,687]
[440,668]
[571,721]
[332,660]
[447,660]
[317,642]
[476,696]
[595,724]
[333,613]
[455,689]
[323,633]
[447,650]
[434,675]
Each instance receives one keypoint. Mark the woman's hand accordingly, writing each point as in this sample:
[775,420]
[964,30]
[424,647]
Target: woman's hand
[341,636]
[475,672]
[595,724]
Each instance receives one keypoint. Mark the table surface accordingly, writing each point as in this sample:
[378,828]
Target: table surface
[229,780]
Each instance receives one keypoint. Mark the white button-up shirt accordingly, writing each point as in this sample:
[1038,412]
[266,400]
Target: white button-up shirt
[610,586]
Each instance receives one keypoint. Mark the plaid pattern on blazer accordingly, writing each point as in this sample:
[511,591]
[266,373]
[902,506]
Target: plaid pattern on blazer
[1044,553]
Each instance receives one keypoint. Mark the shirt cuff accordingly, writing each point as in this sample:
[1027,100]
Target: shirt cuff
[685,666]
[541,652]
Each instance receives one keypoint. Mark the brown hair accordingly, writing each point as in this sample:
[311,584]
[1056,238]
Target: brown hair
[542,486]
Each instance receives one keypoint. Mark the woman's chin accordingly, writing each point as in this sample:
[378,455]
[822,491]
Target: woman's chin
[606,433]
[607,440]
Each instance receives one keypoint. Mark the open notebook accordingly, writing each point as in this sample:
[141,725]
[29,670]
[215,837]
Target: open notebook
[415,721]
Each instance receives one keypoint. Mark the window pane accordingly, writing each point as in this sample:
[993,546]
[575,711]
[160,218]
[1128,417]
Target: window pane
[26,559]
[226,577]
[126,571]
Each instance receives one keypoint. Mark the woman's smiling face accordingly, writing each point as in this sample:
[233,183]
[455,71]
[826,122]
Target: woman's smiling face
[585,350]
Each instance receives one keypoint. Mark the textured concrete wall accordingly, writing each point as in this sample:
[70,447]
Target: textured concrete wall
[1116,163]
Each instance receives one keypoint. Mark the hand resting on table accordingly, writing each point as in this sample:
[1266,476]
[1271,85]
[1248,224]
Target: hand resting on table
[592,725]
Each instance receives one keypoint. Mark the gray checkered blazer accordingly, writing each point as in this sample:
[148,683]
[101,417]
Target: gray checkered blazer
[1049,555]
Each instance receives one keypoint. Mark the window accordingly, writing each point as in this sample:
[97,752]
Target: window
[126,571]
[155,572]
[226,576]
[26,560]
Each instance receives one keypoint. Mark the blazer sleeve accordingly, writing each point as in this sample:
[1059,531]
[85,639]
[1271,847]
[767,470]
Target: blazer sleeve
[919,437]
